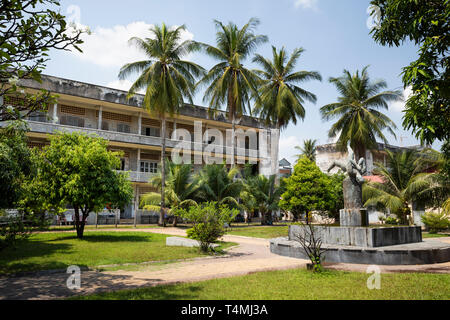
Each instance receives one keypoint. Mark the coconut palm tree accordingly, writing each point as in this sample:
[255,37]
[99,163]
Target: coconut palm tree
[359,120]
[218,184]
[404,181]
[308,150]
[229,82]
[166,79]
[180,189]
[281,100]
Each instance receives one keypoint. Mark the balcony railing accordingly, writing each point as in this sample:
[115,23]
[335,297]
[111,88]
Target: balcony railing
[136,176]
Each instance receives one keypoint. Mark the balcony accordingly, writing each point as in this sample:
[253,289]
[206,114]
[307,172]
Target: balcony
[133,138]
[136,176]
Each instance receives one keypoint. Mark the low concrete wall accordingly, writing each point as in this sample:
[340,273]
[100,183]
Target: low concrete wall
[361,236]
[409,254]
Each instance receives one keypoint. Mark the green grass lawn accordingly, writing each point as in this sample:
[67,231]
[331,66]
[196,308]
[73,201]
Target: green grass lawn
[46,251]
[104,226]
[297,284]
[260,231]
[434,235]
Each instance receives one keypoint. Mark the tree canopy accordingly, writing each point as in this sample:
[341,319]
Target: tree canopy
[28,31]
[357,111]
[79,170]
[426,23]
[307,189]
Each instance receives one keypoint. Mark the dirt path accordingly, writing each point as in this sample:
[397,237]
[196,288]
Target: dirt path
[251,255]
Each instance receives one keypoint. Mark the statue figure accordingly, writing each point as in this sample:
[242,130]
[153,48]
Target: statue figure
[352,184]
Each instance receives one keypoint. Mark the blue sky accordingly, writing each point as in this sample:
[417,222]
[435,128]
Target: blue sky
[333,33]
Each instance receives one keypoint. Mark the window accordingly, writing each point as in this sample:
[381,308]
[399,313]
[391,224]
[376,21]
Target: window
[122,127]
[122,164]
[147,166]
[38,116]
[72,121]
[150,131]
[105,125]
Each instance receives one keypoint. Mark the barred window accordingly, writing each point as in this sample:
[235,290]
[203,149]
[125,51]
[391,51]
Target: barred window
[37,116]
[122,127]
[72,121]
[150,131]
[73,110]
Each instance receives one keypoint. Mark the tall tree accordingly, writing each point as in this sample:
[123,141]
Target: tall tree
[16,164]
[358,119]
[180,189]
[307,189]
[308,150]
[280,98]
[166,79]
[426,24]
[78,169]
[28,31]
[229,81]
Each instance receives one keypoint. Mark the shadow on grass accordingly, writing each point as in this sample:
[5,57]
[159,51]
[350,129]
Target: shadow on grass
[157,292]
[53,286]
[119,237]
[29,249]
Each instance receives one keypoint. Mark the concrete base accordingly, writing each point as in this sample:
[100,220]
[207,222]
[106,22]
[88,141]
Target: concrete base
[427,252]
[361,236]
[184,242]
[353,218]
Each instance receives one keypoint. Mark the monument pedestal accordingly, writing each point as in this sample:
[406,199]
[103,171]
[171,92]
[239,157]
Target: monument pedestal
[355,217]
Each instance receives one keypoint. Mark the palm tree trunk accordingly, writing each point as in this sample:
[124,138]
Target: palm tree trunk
[162,221]
[276,151]
[233,138]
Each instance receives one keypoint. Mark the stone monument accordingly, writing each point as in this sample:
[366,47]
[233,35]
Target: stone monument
[353,214]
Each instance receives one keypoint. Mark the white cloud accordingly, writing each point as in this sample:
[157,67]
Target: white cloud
[399,106]
[108,47]
[373,21]
[306,4]
[122,85]
[287,148]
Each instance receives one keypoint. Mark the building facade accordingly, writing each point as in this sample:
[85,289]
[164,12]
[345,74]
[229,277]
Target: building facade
[127,127]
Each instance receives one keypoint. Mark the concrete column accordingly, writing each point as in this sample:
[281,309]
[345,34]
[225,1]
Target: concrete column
[138,167]
[99,125]
[174,129]
[55,113]
[136,205]
[140,124]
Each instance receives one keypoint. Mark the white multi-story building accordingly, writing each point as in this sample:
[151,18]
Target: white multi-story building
[128,127]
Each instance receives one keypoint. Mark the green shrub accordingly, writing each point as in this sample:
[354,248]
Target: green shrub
[13,229]
[208,222]
[391,220]
[436,222]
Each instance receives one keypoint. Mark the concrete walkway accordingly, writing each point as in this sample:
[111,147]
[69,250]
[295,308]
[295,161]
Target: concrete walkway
[251,255]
